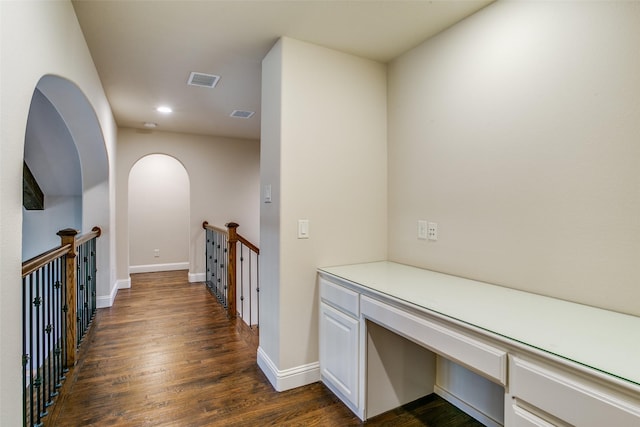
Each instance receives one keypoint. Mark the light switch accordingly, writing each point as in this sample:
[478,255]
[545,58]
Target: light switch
[422,229]
[267,193]
[303,229]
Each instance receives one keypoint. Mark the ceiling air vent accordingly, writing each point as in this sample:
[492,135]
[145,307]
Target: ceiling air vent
[240,114]
[203,80]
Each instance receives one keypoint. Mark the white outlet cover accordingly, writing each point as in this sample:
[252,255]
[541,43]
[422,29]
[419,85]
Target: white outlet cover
[432,231]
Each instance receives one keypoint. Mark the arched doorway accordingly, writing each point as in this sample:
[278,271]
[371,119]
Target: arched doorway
[51,156]
[159,200]
[65,147]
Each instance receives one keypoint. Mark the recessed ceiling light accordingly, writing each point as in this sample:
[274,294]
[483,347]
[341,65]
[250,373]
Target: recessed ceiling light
[150,125]
[164,109]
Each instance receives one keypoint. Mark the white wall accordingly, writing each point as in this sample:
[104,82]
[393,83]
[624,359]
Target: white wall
[517,132]
[271,134]
[37,38]
[324,154]
[224,186]
[158,212]
[39,227]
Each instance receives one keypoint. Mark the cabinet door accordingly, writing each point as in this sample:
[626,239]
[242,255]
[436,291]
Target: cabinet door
[339,354]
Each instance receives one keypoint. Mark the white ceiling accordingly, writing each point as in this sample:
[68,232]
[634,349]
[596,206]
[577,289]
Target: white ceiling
[145,50]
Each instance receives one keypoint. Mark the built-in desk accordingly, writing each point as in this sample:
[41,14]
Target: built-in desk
[559,363]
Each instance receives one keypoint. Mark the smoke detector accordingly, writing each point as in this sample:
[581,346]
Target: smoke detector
[203,80]
[241,114]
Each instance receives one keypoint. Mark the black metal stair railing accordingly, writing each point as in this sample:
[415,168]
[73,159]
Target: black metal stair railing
[249,284]
[86,288]
[217,266]
[235,284]
[44,338]
[49,340]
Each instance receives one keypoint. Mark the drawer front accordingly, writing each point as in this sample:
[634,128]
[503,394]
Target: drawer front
[340,297]
[523,418]
[486,360]
[571,398]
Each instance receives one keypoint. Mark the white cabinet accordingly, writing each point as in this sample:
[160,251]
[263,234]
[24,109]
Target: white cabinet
[559,364]
[557,396]
[339,343]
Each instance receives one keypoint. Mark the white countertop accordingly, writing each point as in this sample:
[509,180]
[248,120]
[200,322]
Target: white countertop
[600,339]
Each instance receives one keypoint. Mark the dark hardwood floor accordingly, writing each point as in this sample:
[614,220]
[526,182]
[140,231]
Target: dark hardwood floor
[166,355]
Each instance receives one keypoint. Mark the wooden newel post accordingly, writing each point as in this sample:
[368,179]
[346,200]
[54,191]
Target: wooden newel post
[231,291]
[68,236]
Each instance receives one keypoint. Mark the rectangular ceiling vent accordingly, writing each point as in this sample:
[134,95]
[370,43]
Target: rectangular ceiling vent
[240,114]
[203,80]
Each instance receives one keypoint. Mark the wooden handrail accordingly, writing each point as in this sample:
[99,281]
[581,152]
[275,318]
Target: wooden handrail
[38,261]
[206,225]
[41,260]
[240,238]
[248,244]
[95,232]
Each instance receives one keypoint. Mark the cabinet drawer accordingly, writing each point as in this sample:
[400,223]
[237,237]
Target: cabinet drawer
[486,360]
[571,398]
[340,297]
[523,418]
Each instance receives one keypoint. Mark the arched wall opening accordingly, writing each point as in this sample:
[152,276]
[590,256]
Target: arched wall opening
[51,155]
[158,214]
[65,144]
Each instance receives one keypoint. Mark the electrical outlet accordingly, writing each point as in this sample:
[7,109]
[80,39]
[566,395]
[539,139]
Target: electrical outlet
[432,231]
[422,229]
[156,253]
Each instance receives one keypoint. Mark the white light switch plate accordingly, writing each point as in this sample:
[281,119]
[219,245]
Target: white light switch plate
[303,229]
[422,229]
[267,193]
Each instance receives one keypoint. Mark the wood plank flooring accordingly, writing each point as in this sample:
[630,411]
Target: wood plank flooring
[166,355]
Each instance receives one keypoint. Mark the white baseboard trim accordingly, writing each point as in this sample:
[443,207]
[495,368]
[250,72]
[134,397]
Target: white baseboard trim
[197,277]
[466,408]
[124,283]
[107,300]
[151,268]
[290,378]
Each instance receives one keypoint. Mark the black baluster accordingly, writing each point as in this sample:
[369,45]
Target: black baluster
[49,338]
[25,352]
[242,281]
[258,289]
[250,290]
[57,326]
[37,303]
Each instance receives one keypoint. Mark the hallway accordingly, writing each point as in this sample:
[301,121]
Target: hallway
[166,355]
